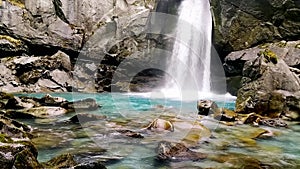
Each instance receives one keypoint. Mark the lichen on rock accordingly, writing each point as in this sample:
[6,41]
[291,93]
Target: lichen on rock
[269,56]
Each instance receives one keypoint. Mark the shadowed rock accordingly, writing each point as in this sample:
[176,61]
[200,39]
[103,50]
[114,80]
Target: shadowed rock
[85,117]
[206,107]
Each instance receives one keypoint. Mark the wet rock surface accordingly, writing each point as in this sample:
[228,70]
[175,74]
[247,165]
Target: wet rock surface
[96,142]
[226,115]
[177,152]
[45,107]
[85,117]
[206,107]
[17,151]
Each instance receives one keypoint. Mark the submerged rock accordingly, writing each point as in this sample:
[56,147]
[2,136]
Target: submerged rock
[46,107]
[88,104]
[197,133]
[168,151]
[238,161]
[85,117]
[130,133]
[90,165]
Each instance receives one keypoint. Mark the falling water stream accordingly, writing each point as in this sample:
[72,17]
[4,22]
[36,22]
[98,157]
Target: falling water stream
[189,65]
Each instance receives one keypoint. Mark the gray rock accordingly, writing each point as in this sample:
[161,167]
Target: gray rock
[67,24]
[177,152]
[62,78]
[235,62]
[88,104]
[36,74]
[16,149]
[90,26]
[85,117]
[261,79]
[206,107]
[37,112]
[242,24]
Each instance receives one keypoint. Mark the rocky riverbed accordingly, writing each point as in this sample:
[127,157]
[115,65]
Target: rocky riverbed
[94,133]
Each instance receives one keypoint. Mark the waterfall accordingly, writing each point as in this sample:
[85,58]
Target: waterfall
[189,66]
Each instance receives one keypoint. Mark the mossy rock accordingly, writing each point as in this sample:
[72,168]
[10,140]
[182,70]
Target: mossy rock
[19,3]
[5,139]
[269,56]
[12,40]
[25,159]
[282,44]
[62,161]
[264,46]
[6,96]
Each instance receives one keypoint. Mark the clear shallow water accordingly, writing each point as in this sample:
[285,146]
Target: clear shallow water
[227,147]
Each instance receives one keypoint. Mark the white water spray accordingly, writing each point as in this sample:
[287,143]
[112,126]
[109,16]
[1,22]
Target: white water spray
[189,65]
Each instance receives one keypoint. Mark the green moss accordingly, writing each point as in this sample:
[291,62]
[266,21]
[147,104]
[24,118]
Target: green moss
[263,46]
[14,41]
[269,56]
[5,139]
[19,3]
[25,159]
[6,95]
[282,44]
[62,161]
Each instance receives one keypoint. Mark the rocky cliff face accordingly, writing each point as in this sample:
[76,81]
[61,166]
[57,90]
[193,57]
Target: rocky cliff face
[240,24]
[34,31]
[61,24]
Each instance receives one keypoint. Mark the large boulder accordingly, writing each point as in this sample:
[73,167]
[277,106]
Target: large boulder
[240,24]
[235,61]
[263,76]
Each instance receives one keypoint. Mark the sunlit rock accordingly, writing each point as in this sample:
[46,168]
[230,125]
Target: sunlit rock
[160,124]
[225,115]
